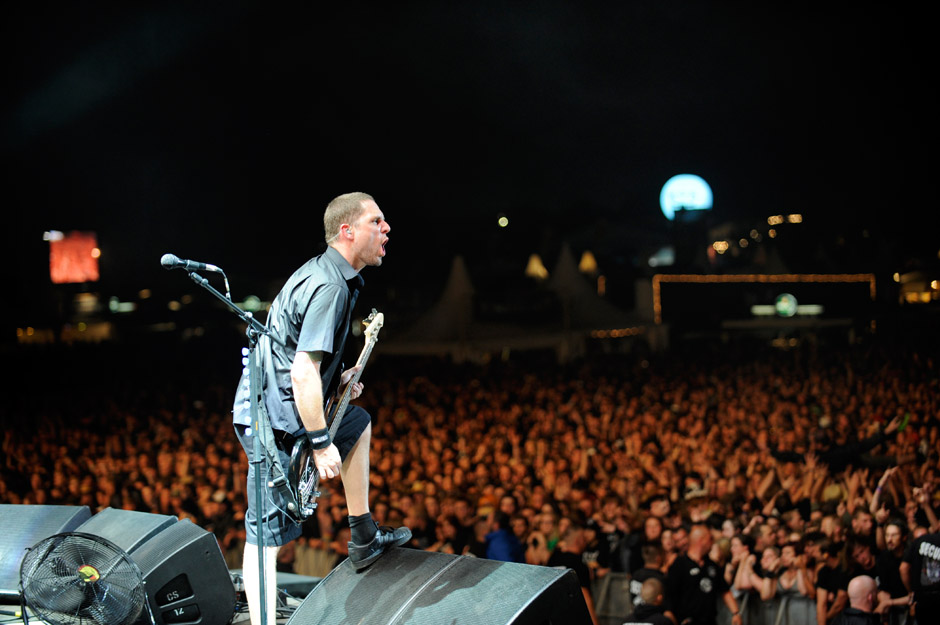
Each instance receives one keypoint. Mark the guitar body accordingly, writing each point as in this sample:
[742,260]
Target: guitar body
[302,474]
[303,477]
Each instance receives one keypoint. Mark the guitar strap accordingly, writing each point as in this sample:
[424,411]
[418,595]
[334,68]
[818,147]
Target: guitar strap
[278,477]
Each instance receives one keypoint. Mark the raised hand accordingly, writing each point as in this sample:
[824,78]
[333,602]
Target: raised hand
[881,515]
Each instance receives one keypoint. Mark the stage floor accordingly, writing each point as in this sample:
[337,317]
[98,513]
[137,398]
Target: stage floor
[294,589]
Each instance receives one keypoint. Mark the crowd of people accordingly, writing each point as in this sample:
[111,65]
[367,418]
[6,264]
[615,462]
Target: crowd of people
[777,481]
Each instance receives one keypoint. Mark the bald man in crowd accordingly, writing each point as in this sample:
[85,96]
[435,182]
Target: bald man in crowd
[650,609]
[695,584]
[863,597]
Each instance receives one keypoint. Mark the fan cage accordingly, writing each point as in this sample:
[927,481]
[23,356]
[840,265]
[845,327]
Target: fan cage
[75,578]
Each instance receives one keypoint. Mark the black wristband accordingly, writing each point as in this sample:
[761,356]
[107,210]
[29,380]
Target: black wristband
[319,439]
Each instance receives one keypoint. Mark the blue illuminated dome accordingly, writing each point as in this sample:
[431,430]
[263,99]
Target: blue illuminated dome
[685,192]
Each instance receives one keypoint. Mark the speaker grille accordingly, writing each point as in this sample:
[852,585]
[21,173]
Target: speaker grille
[478,592]
[408,586]
[376,591]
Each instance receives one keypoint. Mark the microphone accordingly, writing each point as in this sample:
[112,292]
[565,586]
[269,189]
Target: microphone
[171,261]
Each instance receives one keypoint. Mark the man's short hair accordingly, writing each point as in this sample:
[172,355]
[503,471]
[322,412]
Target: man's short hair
[651,591]
[343,209]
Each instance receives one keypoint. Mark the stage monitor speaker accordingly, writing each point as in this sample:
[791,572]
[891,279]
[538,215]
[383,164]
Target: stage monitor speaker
[128,529]
[414,587]
[185,575]
[25,526]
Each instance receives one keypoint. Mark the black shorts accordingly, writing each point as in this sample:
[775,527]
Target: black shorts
[279,528]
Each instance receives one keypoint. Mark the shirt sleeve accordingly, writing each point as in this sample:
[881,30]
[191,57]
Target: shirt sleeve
[321,319]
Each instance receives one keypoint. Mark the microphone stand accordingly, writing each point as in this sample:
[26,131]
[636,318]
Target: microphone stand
[254,332]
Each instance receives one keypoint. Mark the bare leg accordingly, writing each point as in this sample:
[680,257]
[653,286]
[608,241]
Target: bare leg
[253,585]
[367,543]
[356,475]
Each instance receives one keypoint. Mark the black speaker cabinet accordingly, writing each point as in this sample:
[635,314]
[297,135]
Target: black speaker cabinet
[21,527]
[409,586]
[127,529]
[185,575]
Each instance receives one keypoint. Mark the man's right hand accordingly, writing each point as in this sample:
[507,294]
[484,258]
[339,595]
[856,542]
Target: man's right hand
[328,462]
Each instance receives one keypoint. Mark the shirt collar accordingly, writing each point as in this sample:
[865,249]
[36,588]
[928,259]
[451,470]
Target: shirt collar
[347,271]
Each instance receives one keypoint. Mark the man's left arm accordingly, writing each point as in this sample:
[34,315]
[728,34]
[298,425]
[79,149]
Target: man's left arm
[733,607]
[904,569]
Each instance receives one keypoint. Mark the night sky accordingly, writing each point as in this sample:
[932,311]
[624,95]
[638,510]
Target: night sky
[218,131]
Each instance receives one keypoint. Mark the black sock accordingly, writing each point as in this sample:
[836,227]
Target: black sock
[362,528]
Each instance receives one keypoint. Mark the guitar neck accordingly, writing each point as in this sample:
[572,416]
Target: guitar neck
[336,417]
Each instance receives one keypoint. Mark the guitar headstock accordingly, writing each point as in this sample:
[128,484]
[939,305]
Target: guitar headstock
[373,323]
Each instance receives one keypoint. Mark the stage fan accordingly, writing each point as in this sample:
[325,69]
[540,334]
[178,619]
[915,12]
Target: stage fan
[81,579]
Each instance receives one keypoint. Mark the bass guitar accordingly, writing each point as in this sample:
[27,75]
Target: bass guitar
[302,472]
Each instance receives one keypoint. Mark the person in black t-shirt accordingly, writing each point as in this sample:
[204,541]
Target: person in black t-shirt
[651,569]
[920,571]
[650,609]
[832,583]
[893,596]
[568,554]
[838,456]
[650,532]
[694,584]
[596,553]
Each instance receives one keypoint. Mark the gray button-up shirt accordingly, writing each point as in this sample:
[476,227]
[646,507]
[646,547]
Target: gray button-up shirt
[310,314]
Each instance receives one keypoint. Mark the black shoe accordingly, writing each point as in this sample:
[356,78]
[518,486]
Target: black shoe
[362,556]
